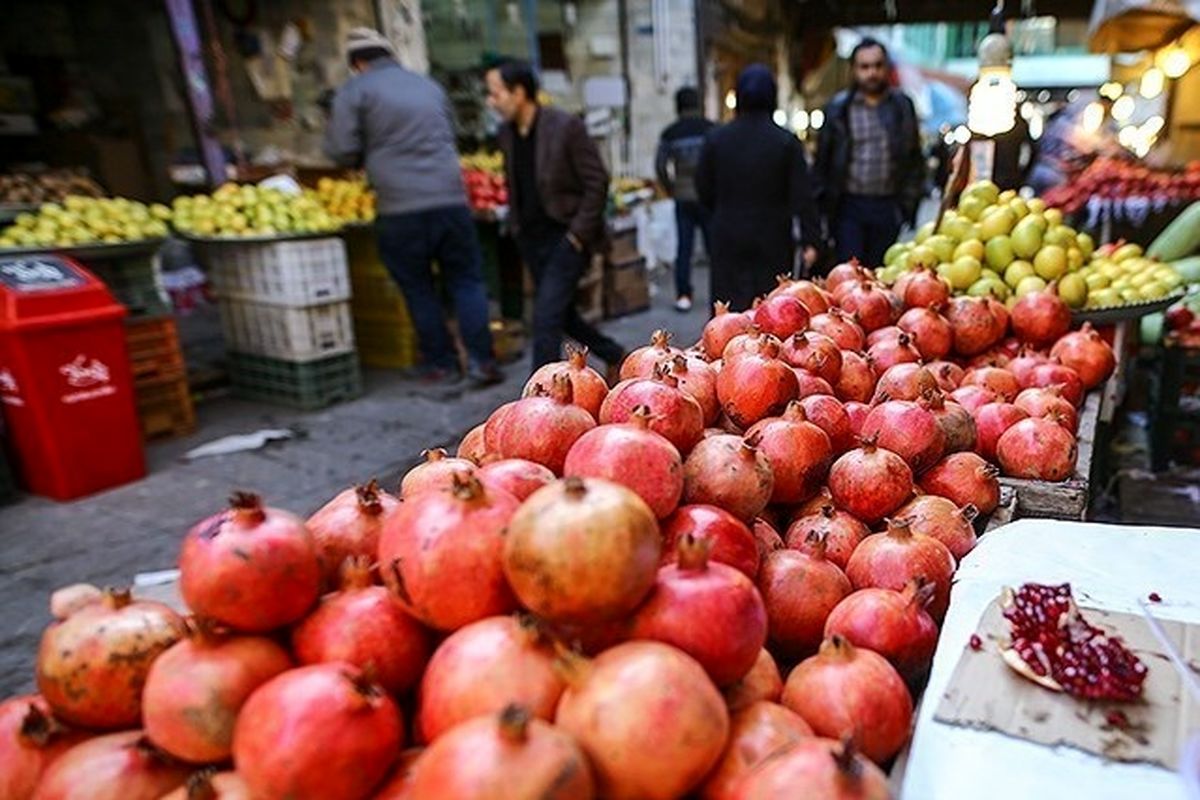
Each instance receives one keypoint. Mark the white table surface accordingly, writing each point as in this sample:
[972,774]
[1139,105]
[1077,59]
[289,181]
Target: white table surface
[1109,567]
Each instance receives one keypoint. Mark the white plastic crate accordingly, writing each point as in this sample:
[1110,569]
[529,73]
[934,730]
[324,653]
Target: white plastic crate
[293,334]
[288,273]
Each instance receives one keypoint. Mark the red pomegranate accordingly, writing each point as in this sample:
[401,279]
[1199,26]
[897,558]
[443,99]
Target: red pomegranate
[349,525]
[1086,352]
[196,689]
[974,324]
[1022,365]
[997,380]
[869,303]
[829,414]
[908,381]
[755,386]
[930,331]
[850,691]
[449,538]
[729,472]
[841,327]
[806,292]
[642,362]
[633,456]
[588,387]
[888,333]
[647,716]
[317,732]
[839,533]
[364,625]
[857,414]
[697,379]
[892,559]
[507,756]
[1048,401]
[870,482]
[119,766]
[30,741]
[723,326]
[947,374]
[473,446]
[674,414]
[848,271]
[781,316]
[814,352]
[542,427]
[1053,373]
[517,476]
[582,550]
[809,384]
[208,784]
[766,536]
[957,424]
[799,590]
[436,472]
[762,683]
[483,667]
[1039,318]
[943,520]
[925,290]
[731,541]
[992,420]
[857,379]
[1037,448]
[886,354]
[398,784]
[816,767]
[964,479]
[752,341]
[972,398]
[798,451]
[893,624]
[909,430]
[757,733]
[92,665]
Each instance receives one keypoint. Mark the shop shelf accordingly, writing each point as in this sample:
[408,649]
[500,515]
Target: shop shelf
[306,385]
[165,406]
[287,273]
[294,334]
[154,350]
[385,341]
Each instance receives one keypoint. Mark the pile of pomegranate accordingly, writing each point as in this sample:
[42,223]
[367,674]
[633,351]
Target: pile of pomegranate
[721,578]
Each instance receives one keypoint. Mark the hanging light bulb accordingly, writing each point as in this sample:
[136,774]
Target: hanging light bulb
[992,104]
[1152,82]
[1174,61]
[1123,109]
[1093,117]
[731,99]
[816,119]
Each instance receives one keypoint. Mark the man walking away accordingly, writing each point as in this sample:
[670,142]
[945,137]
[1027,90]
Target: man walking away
[398,125]
[675,164]
[870,172]
[558,187]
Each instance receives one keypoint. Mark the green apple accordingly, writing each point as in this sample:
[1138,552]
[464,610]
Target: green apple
[998,253]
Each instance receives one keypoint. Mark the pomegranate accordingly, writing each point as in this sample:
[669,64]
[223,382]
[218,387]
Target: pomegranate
[1086,352]
[516,476]
[250,567]
[991,421]
[731,473]
[349,525]
[731,541]
[588,386]
[473,446]
[30,741]
[947,374]
[582,550]
[957,424]
[493,427]
[827,413]
[449,538]
[196,688]
[367,626]
[481,668]
[892,559]
[839,533]
[886,354]
[964,479]
[841,327]
[822,498]
[857,414]
[870,482]
[67,600]
[762,683]
[925,290]
[723,326]
[757,733]
[648,718]
[633,456]
[847,272]
[674,414]
[752,341]
[930,332]
[974,324]
[755,386]
[806,292]
[798,451]
[809,384]
[118,766]
[317,732]
[857,379]
[642,362]
[848,691]
[889,333]
[698,380]
[1048,401]
[1039,318]
[893,624]
[940,518]
[799,590]
[816,767]
[436,472]
[1022,366]
[816,353]
[542,427]
[398,785]
[870,304]
[908,381]
[997,380]
[766,536]
[1053,373]
[1037,448]
[208,784]
[509,756]
[972,398]
[92,665]
[781,316]
[909,430]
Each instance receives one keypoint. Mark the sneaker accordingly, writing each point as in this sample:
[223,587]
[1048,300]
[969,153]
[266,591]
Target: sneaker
[683,304]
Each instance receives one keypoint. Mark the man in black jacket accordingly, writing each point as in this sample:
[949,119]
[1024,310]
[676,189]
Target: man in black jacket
[678,156]
[870,172]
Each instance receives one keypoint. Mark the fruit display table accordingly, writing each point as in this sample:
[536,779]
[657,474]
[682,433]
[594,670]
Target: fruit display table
[947,761]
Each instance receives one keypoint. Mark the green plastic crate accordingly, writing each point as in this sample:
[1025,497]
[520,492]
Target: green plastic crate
[299,384]
[133,281]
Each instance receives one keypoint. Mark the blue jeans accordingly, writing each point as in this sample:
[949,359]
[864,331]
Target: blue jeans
[689,215]
[865,227]
[408,245]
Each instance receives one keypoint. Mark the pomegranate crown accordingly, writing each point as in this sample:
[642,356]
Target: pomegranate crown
[247,506]
[577,355]
[432,454]
[369,499]
[39,727]
[692,552]
[514,722]
[199,785]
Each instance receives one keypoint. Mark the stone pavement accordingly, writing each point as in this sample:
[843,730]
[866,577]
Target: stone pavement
[107,538]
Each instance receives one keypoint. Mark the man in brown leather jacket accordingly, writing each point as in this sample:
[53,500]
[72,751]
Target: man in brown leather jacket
[558,189]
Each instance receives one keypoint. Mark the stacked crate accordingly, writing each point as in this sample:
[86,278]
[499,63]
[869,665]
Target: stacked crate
[384,331]
[285,315]
[626,281]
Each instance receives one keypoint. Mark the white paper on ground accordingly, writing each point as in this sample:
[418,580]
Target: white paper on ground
[238,442]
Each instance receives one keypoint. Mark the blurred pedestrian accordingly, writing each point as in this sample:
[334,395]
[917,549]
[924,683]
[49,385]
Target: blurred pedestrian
[558,186]
[675,164]
[399,126]
[753,179]
[869,172]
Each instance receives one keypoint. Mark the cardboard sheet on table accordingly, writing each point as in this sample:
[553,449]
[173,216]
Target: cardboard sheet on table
[985,693]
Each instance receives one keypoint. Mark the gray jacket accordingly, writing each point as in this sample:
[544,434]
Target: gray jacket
[397,124]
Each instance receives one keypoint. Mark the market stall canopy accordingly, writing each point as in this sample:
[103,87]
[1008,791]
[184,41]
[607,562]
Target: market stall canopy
[1131,25]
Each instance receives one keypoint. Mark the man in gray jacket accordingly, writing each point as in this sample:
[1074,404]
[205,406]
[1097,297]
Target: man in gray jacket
[399,125]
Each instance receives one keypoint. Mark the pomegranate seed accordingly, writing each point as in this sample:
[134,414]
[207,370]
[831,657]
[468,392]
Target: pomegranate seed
[1155,597]
[1117,719]
[975,642]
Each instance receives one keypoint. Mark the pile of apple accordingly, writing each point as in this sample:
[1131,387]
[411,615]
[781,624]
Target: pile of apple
[80,220]
[234,211]
[345,200]
[483,175]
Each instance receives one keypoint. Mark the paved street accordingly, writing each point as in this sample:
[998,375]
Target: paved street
[107,538]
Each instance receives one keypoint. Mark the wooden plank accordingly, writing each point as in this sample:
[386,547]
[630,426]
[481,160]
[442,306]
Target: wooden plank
[1113,391]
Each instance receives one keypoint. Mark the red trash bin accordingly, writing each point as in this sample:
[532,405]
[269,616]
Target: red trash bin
[65,382]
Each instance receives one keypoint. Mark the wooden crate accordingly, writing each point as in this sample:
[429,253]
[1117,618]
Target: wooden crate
[626,288]
[154,350]
[165,407]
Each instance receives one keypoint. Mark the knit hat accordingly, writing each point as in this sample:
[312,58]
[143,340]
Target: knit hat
[756,89]
[359,39]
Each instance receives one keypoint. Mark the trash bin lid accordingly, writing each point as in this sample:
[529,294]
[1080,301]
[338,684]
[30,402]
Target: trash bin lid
[49,290]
